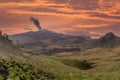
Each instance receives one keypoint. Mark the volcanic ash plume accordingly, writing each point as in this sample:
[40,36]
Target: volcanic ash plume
[36,22]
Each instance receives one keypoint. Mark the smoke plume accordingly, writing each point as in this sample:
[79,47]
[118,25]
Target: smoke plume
[36,22]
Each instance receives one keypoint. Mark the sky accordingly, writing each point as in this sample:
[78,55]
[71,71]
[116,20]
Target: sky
[75,17]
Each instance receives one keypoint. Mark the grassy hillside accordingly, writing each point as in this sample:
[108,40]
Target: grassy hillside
[96,63]
[106,62]
[46,68]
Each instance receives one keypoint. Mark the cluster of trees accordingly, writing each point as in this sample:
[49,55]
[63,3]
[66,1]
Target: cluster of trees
[12,70]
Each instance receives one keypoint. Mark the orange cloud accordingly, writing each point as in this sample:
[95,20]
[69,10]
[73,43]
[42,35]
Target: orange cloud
[80,15]
[89,25]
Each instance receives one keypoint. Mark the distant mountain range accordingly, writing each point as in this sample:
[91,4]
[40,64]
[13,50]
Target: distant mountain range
[42,35]
[49,42]
[44,41]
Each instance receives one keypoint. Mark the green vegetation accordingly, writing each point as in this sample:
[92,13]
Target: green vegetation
[106,66]
[106,63]
[57,68]
[21,71]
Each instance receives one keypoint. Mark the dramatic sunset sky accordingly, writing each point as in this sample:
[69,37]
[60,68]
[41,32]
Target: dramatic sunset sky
[91,17]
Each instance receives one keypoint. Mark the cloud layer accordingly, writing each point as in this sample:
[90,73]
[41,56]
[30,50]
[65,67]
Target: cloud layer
[92,17]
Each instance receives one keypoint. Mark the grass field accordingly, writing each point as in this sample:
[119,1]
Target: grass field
[106,63]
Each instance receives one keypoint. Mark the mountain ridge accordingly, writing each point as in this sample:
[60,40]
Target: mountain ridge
[108,40]
[42,34]
[43,40]
[49,42]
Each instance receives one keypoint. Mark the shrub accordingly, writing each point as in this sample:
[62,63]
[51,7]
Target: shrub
[22,71]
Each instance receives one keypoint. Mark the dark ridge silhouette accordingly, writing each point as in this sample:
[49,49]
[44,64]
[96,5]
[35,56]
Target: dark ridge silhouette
[109,36]
[109,40]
